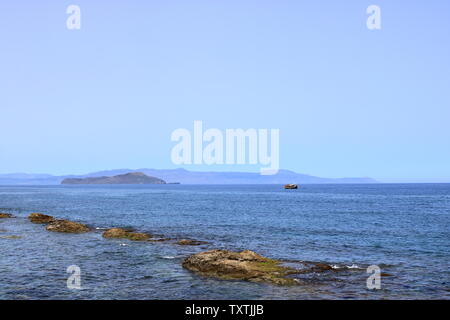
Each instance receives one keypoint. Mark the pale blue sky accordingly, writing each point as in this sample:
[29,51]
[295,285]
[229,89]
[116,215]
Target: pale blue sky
[348,101]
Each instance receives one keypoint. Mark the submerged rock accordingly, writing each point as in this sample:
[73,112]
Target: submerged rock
[320,267]
[189,242]
[138,236]
[40,218]
[5,215]
[67,226]
[246,265]
[10,237]
[120,233]
[159,239]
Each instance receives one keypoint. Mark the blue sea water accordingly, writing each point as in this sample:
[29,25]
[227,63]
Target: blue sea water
[403,228]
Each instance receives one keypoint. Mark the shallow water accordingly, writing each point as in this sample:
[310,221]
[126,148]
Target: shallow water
[403,228]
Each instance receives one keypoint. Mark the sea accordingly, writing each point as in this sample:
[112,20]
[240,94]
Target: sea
[401,230]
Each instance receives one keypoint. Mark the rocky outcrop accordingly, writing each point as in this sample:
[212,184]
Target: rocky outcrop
[250,266]
[115,233]
[128,178]
[120,233]
[189,242]
[67,226]
[5,215]
[246,265]
[40,218]
[138,236]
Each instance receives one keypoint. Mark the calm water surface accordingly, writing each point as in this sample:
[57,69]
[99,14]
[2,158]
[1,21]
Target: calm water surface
[404,229]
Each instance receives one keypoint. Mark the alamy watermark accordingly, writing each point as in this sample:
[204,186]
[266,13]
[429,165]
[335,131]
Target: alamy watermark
[73,22]
[74,280]
[374,20]
[234,146]
[374,280]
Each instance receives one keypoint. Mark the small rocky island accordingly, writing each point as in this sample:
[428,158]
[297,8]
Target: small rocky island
[128,178]
[246,265]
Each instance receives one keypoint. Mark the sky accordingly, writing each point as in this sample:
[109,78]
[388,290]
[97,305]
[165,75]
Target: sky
[348,101]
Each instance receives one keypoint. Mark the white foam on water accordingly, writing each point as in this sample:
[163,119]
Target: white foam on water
[336,267]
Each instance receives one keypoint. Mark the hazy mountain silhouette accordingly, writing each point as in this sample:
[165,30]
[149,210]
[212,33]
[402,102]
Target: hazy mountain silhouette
[184,176]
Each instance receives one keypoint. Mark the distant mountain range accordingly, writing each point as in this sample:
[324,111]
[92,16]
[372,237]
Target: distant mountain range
[184,177]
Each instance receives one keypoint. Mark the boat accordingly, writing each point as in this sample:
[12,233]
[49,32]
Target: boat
[291,186]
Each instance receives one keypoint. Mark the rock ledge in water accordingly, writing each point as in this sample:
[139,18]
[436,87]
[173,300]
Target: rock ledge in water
[40,218]
[190,242]
[67,227]
[10,237]
[120,233]
[5,215]
[246,265]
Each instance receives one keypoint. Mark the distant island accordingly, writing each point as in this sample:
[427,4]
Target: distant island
[128,178]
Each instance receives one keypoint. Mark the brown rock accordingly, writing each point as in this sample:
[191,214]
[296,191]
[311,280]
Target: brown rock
[67,227]
[138,236]
[251,256]
[40,218]
[115,233]
[385,274]
[5,215]
[246,265]
[188,242]
[320,267]
[159,239]
[120,233]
